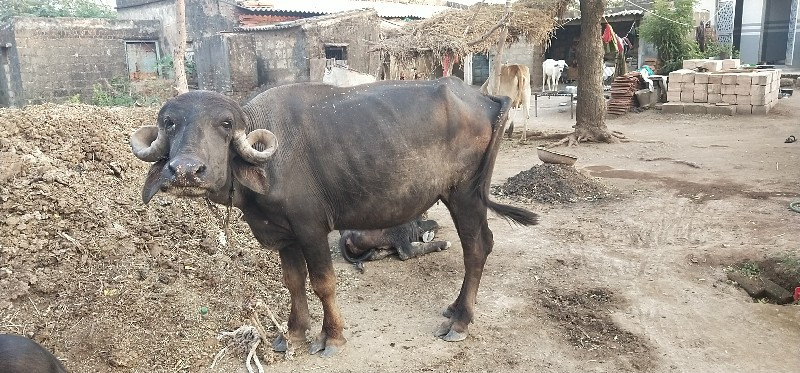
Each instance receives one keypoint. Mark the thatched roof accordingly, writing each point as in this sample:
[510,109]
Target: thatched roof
[460,32]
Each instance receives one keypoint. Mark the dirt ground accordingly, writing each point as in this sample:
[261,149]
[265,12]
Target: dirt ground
[630,282]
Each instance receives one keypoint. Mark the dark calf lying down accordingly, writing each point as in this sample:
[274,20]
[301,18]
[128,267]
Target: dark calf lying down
[409,240]
[22,355]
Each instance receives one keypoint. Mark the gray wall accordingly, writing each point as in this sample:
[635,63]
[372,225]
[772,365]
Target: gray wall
[242,63]
[55,58]
[203,17]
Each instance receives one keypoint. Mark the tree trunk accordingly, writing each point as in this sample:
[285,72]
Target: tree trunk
[178,60]
[591,109]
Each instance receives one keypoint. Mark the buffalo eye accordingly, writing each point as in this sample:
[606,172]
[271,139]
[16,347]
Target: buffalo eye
[168,123]
[227,124]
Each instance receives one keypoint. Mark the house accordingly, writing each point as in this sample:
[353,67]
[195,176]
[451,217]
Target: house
[253,58]
[623,21]
[203,18]
[764,31]
[51,59]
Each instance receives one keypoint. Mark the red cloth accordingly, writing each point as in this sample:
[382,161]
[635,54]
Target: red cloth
[607,34]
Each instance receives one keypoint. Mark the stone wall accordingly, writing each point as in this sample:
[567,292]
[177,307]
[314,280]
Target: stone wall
[56,58]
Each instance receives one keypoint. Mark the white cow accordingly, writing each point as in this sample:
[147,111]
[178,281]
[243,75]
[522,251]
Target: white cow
[342,76]
[551,73]
[515,82]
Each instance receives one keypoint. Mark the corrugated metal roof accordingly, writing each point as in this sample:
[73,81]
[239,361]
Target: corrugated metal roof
[621,13]
[306,21]
[385,10]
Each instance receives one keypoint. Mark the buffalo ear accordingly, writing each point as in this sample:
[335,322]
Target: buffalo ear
[251,176]
[153,181]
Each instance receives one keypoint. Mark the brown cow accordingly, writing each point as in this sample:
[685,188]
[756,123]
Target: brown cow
[515,82]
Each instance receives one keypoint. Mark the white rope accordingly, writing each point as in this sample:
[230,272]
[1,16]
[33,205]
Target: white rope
[651,12]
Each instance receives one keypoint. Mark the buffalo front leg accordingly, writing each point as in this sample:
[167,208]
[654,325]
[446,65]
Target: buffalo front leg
[293,265]
[323,280]
[476,238]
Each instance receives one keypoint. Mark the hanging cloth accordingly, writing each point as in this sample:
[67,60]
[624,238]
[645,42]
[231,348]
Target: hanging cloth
[607,34]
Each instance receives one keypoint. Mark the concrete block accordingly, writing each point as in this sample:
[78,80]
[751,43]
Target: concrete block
[677,76]
[743,90]
[714,98]
[744,109]
[672,107]
[687,96]
[701,78]
[715,88]
[731,63]
[674,87]
[729,78]
[700,96]
[757,100]
[730,99]
[687,87]
[728,89]
[715,79]
[759,109]
[744,79]
[698,87]
[692,64]
[761,78]
[721,109]
[758,90]
[688,77]
[673,96]
[712,65]
[694,108]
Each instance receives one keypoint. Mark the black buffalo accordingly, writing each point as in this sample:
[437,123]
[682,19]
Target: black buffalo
[409,240]
[23,355]
[364,157]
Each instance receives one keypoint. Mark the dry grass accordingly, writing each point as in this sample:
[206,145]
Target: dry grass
[461,32]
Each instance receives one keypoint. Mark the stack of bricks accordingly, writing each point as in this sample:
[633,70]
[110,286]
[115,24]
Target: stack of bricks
[721,91]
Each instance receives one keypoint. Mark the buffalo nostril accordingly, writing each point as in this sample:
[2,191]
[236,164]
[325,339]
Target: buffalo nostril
[200,169]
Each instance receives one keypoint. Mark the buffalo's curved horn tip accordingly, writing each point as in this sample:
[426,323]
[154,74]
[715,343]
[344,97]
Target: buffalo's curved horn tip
[244,145]
[149,143]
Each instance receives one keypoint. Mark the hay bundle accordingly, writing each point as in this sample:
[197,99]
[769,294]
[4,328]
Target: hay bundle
[461,32]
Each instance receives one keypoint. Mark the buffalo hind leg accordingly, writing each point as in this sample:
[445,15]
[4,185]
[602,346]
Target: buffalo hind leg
[323,280]
[293,265]
[415,249]
[469,217]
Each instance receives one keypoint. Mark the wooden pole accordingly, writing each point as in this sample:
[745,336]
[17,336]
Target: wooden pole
[501,46]
[178,60]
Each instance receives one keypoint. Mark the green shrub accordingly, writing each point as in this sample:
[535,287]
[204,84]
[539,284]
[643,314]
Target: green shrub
[118,92]
[668,28]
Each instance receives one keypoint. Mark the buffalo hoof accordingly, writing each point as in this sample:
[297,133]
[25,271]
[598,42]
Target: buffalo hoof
[447,333]
[428,236]
[325,346]
[280,344]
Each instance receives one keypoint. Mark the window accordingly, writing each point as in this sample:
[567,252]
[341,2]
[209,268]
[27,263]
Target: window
[336,51]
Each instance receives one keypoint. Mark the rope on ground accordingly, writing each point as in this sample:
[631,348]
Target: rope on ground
[245,338]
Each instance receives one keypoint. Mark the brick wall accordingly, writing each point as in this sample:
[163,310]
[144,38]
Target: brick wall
[60,57]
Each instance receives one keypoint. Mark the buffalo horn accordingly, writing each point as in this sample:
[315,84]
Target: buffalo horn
[244,145]
[149,143]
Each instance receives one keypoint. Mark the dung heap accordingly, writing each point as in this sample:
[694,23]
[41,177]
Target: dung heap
[551,183]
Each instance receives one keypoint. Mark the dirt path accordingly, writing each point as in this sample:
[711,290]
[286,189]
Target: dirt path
[634,282]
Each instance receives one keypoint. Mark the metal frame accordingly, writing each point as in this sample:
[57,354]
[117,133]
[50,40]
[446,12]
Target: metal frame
[551,94]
